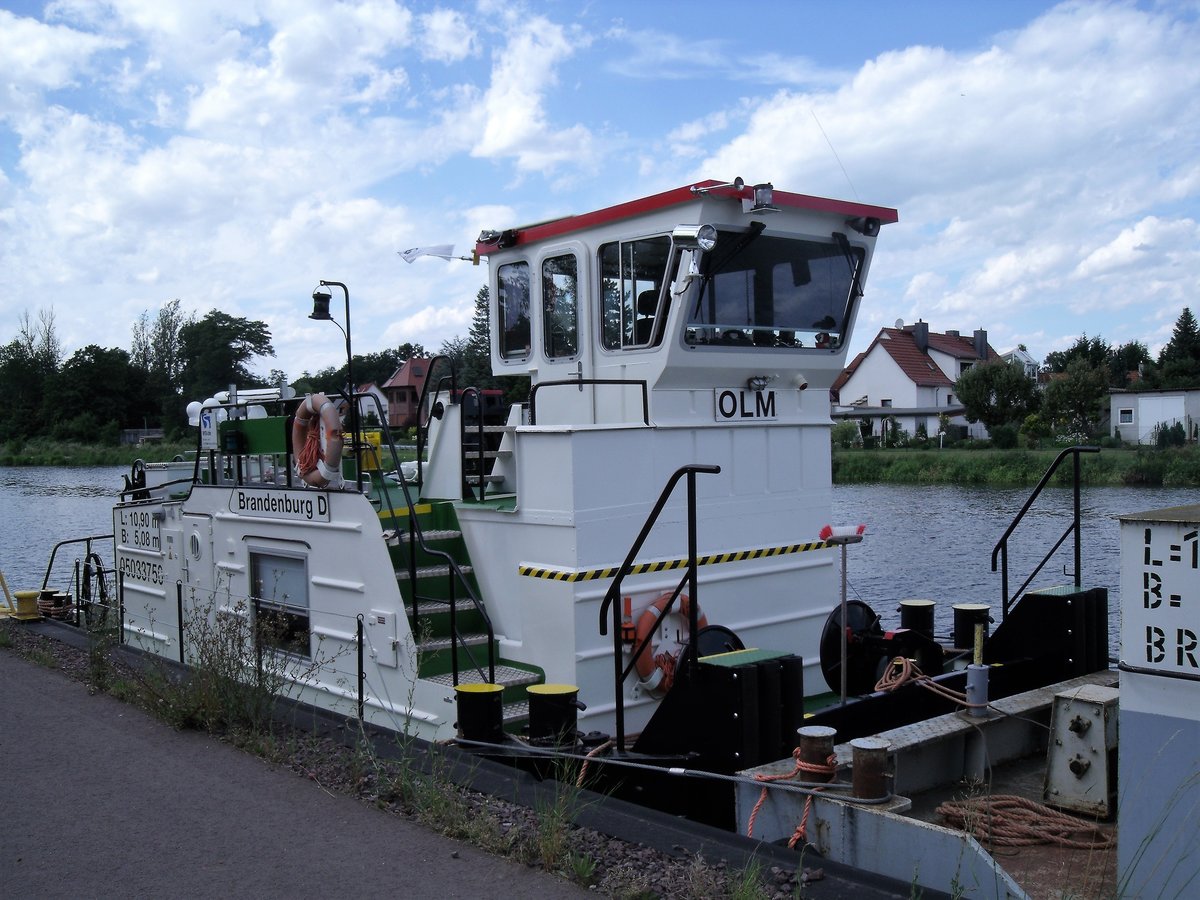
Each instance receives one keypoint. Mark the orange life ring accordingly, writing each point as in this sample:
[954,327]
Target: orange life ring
[317,442]
[656,667]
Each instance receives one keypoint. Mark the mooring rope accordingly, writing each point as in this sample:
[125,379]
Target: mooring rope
[1006,820]
[902,671]
[827,769]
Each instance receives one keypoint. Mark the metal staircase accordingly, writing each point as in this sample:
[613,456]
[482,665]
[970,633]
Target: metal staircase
[455,641]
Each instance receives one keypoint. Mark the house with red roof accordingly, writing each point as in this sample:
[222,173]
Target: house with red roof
[403,391]
[909,372]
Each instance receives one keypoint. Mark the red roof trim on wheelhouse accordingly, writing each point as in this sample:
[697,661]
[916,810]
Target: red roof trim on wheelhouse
[541,231]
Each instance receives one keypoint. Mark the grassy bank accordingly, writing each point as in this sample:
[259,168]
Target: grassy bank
[1179,467]
[47,452]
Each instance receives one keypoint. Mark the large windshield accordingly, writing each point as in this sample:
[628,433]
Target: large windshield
[767,291]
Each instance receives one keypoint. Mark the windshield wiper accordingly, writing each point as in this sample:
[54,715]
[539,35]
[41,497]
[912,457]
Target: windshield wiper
[852,261]
[756,228]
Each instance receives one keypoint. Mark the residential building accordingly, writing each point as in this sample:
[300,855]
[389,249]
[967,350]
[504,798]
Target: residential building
[403,392]
[1137,416]
[909,372]
[1028,364]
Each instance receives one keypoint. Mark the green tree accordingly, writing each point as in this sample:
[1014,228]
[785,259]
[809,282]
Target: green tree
[97,392]
[1131,357]
[996,393]
[26,364]
[1179,361]
[1095,351]
[1073,401]
[158,353]
[216,351]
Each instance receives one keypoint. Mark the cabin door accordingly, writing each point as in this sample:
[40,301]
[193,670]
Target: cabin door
[566,353]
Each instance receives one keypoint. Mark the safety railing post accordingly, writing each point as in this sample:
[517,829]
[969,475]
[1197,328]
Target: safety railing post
[362,675]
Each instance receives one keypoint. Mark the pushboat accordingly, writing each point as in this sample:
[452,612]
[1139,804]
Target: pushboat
[637,565]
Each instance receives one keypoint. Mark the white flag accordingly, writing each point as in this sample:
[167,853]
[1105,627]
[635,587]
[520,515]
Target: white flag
[445,251]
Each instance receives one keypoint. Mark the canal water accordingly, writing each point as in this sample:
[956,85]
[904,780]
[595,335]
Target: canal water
[932,542]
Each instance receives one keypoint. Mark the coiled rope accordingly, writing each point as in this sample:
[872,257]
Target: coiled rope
[903,671]
[827,769]
[1006,820]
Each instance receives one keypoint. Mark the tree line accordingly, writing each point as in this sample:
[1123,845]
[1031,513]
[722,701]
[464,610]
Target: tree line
[175,357]
[1075,384]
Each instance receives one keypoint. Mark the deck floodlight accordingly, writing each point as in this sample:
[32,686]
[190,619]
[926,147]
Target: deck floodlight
[758,383]
[321,298]
[695,237]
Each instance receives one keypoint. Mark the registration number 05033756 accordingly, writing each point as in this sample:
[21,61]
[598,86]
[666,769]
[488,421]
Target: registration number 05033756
[744,405]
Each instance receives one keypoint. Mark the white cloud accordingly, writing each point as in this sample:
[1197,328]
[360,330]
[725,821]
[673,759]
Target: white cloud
[446,36]
[514,115]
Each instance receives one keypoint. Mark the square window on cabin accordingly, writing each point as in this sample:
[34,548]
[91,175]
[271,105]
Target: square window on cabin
[512,310]
[1125,417]
[560,307]
[280,600]
[631,279]
[886,403]
[774,291]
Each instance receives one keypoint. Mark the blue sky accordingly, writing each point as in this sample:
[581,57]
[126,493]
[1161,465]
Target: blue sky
[1044,158]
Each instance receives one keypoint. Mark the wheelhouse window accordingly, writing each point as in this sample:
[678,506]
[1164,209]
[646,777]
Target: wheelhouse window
[560,306]
[760,290]
[512,308]
[632,275]
[280,597]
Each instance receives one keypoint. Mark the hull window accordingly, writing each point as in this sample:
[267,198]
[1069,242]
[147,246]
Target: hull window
[560,306]
[281,619]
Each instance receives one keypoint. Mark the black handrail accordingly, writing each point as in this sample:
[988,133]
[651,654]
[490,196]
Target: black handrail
[1001,548]
[582,381]
[689,578]
[423,427]
[467,492]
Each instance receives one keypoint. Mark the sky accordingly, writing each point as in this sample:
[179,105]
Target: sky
[1044,158]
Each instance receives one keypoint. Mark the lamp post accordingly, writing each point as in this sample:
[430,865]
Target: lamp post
[321,298]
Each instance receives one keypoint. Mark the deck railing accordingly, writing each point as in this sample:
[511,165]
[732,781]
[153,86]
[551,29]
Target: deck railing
[689,578]
[1001,549]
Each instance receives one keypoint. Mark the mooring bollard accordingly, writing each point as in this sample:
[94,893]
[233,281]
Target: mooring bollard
[870,773]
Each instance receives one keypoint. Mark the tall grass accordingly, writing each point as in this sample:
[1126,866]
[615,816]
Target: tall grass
[1174,467]
[48,452]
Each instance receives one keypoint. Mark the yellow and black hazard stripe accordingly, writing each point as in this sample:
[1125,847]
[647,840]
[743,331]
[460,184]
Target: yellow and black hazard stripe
[553,573]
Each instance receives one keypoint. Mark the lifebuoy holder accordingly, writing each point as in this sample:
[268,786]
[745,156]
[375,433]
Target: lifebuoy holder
[656,662]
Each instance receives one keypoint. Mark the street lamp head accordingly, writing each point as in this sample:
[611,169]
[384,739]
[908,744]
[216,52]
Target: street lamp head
[321,298]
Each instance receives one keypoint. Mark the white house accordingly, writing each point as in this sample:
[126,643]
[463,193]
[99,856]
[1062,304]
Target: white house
[909,372]
[1137,416]
[1028,364]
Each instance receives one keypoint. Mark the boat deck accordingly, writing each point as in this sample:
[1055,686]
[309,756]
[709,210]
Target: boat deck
[1042,870]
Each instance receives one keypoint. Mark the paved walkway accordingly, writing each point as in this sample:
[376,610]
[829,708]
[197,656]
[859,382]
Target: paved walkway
[99,800]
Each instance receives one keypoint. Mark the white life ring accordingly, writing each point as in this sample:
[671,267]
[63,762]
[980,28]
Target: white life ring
[318,415]
[656,663]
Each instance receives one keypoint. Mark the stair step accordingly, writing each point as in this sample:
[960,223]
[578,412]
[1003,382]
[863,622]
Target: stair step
[445,643]
[491,479]
[514,712]
[435,605]
[444,534]
[499,429]
[508,676]
[433,572]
